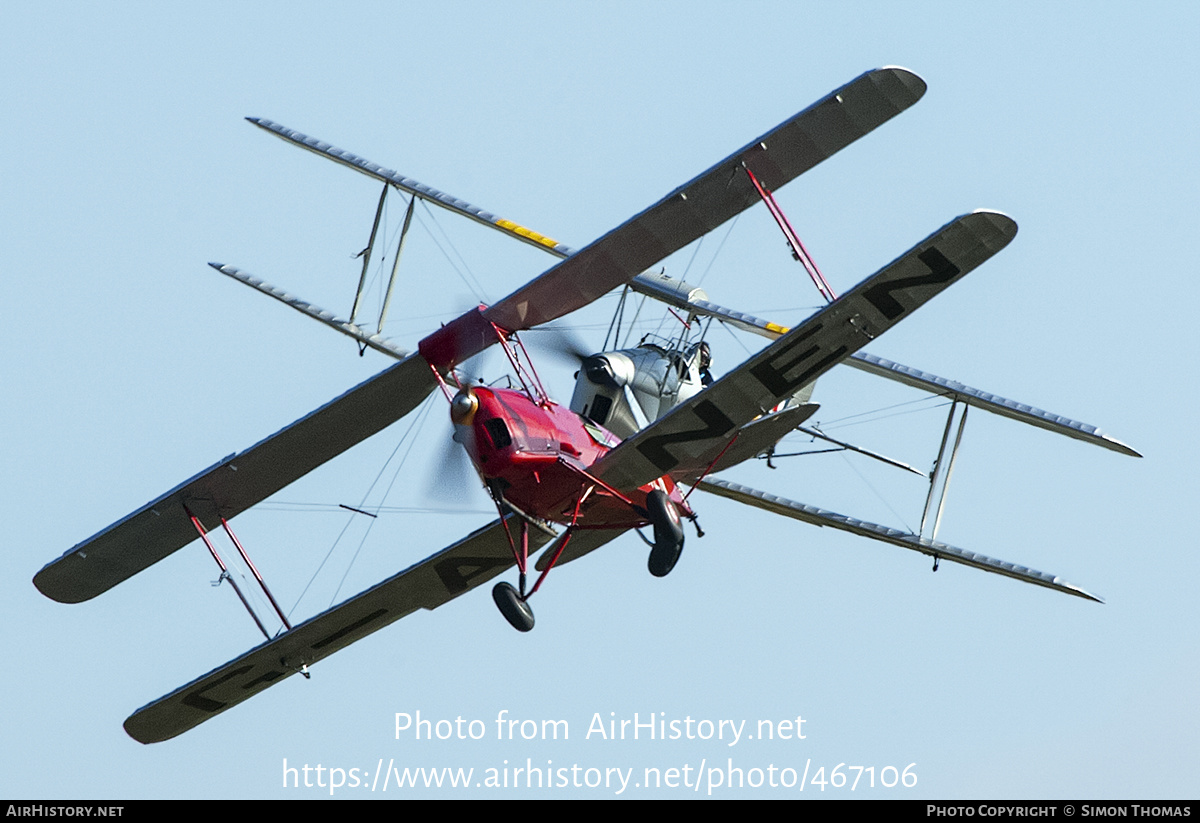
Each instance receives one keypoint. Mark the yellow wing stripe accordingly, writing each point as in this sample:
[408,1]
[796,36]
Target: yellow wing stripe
[524,232]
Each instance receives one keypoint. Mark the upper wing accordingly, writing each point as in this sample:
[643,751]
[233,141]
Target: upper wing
[235,484]
[437,580]
[684,215]
[691,433]
[819,131]
[707,201]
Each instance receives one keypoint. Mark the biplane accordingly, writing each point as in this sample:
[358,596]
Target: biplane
[644,424]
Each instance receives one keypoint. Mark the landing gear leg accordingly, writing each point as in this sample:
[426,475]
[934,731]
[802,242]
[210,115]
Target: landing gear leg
[513,604]
[668,533]
[510,601]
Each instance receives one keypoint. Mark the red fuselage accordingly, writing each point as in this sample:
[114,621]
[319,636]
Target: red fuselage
[538,455]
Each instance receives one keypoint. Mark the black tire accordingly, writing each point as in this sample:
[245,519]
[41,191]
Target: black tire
[515,610]
[668,533]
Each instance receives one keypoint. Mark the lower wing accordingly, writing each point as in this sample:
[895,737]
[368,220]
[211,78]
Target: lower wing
[435,581]
[905,540]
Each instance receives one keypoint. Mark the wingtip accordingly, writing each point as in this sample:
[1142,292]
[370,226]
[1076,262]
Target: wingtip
[1123,448]
[40,583]
[913,81]
[263,123]
[139,732]
[1005,227]
[1071,588]
[997,216]
[54,584]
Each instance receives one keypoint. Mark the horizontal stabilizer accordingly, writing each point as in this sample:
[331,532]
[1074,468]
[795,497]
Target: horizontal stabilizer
[905,540]
[233,485]
[472,561]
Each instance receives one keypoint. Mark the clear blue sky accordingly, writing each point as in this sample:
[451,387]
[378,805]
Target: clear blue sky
[128,365]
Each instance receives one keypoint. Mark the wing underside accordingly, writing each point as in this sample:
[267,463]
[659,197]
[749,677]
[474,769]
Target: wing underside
[435,581]
[666,290]
[233,485]
[710,199]
[778,156]
[907,375]
[1021,412]
[472,561]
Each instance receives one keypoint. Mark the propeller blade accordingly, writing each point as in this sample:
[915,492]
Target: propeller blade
[561,342]
[452,479]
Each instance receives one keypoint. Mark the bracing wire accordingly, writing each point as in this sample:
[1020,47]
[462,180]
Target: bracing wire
[416,426]
[720,246]
[695,254]
[468,278]
[411,428]
[875,491]
[873,415]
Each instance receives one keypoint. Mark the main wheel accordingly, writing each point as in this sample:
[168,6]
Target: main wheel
[668,533]
[515,610]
